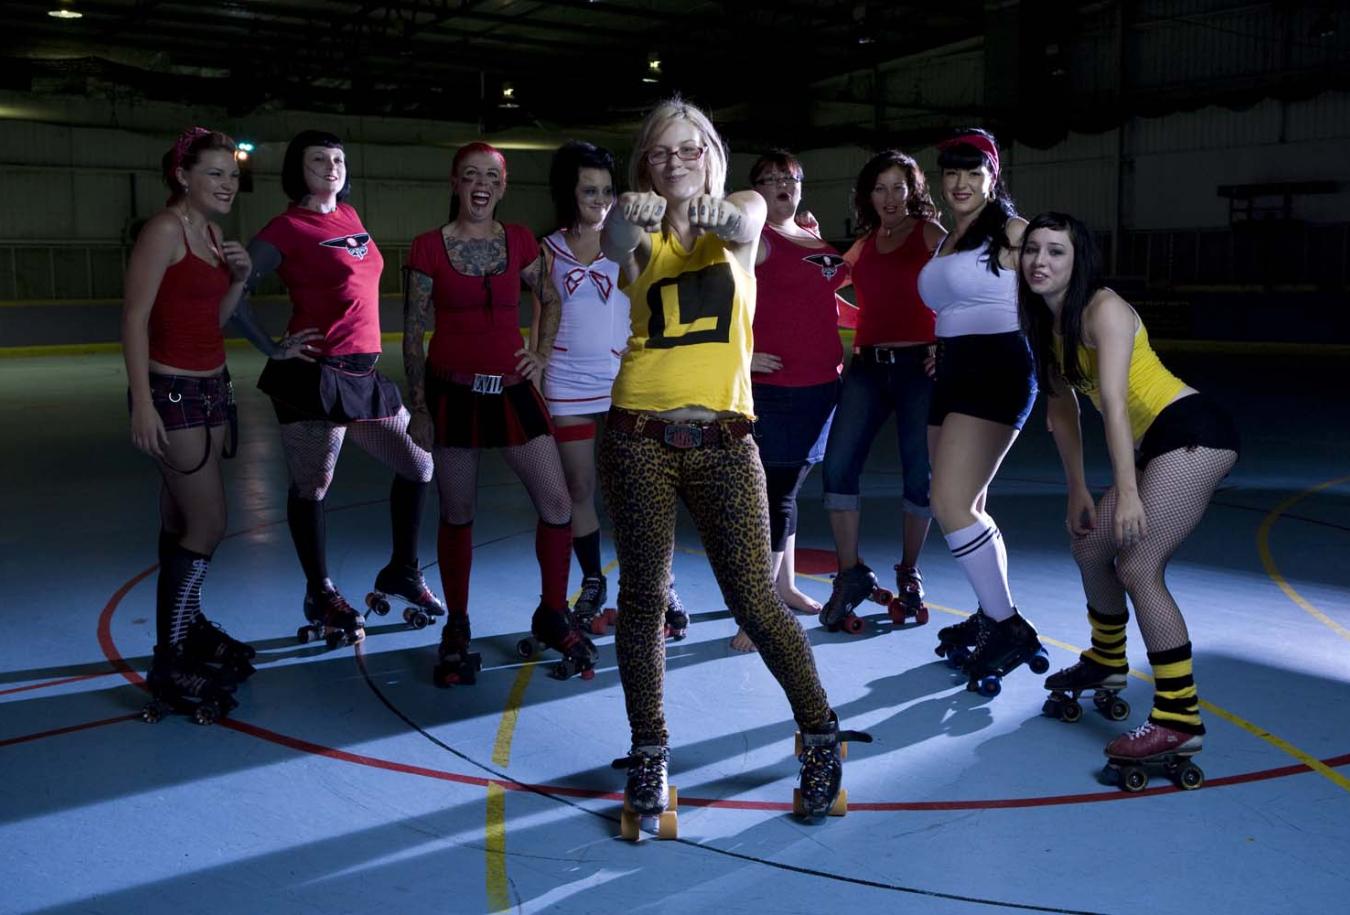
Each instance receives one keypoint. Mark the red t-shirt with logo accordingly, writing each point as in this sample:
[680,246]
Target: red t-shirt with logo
[331,268]
[796,313]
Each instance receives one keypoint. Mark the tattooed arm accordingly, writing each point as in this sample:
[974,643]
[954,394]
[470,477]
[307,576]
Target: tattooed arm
[538,277]
[416,308]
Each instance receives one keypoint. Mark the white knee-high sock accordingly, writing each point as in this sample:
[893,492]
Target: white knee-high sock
[980,552]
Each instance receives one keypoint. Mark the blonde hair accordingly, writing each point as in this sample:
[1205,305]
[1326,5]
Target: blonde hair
[677,109]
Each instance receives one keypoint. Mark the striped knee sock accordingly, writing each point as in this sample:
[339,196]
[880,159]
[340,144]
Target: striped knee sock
[978,549]
[1108,640]
[1175,702]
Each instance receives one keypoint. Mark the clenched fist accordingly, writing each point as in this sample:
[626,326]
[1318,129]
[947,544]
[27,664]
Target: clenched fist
[717,215]
[643,209]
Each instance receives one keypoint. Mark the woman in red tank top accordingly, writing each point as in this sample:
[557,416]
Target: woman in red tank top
[887,373]
[181,280]
[797,358]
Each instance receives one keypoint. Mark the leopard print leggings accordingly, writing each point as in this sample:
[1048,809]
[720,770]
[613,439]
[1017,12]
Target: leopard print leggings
[723,488]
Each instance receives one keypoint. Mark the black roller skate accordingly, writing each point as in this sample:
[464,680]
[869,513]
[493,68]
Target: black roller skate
[956,640]
[908,600]
[180,683]
[851,588]
[821,753]
[455,664]
[207,642]
[557,629]
[649,800]
[332,619]
[1001,647]
[677,618]
[589,610]
[1071,682]
[405,584]
[1131,755]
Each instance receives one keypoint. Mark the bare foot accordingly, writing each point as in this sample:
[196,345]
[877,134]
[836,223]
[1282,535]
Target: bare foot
[797,601]
[741,642]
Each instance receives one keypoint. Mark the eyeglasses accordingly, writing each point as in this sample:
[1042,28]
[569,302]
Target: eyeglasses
[771,180]
[660,155]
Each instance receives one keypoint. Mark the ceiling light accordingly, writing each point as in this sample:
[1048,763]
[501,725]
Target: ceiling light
[65,14]
[508,97]
[246,146]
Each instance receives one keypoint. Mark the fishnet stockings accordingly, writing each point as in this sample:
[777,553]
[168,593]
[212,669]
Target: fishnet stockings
[1175,488]
[312,449]
[536,463]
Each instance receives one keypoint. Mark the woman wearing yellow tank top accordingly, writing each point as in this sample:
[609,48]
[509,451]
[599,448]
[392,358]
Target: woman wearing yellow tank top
[680,429]
[1169,446]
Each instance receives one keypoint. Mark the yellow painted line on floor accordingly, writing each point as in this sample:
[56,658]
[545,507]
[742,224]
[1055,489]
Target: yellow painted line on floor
[1284,746]
[1268,558]
[494,846]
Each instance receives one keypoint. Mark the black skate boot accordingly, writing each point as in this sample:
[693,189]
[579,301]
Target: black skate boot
[677,618]
[332,619]
[405,584]
[207,642]
[1000,648]
[851,588]
[908,600]
[589,610]
[821,752]
[648,798]
[455,664]
[1071,682]
[182,684]
[956,640]
[557,629]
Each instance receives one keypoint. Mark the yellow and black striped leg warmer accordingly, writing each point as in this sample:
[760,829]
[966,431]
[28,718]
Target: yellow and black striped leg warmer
[1175,703]
[1108,640]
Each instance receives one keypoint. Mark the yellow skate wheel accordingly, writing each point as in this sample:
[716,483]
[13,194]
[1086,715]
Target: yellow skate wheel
[674,797]
[669,825]
[840,806]
[629,827]
[797,807]
[843,750]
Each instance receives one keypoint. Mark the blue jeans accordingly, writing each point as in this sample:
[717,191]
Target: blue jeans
[871,391]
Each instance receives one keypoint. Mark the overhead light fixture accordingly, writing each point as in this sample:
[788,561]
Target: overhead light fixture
[245,146]
[1324,26]
[653,68]
[63,13]
[508,97]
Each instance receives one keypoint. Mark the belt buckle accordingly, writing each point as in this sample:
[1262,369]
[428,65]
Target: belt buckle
[487,384]
[885,356]
[683,435]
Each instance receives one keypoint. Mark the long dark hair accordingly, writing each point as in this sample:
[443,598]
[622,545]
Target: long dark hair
[991,225]
[293,165]
[919,204]
[564,172]
[1084,281]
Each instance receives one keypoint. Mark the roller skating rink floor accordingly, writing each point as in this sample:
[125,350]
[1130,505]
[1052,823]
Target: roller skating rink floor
[346,782]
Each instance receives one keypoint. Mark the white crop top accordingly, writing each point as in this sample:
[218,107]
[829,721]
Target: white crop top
[966,297]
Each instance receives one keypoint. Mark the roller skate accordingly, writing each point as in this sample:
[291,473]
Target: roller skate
[455,664]
[1152,745]
[589,610]
[1071,682]
[407,585]
[851,588]
[207,642]
[332,619]
[557,629]
[1001,647]
[649,800]
[821,753]
[677,618]
[908,600]
[180,683]
[956,640]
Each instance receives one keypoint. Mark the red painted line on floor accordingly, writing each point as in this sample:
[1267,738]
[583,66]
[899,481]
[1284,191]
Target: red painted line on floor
[11,741]
[50,683]
[105,641]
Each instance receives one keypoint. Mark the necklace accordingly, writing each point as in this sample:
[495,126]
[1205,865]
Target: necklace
[203,234]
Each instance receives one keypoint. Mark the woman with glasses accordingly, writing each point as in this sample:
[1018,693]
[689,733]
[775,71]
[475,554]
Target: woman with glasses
[325,388]
[477,388]
[796,361]
[680,430]
[887,374]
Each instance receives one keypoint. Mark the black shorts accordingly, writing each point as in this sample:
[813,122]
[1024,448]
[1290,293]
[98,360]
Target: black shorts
[988,376]
[335,389]
[1195,421]
[191,401]
[465,418]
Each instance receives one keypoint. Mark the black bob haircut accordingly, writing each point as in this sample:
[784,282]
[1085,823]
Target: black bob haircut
[293,166]
[568,161]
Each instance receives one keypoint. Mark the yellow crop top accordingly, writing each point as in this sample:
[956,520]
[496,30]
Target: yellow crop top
[691,340]
[1148,390]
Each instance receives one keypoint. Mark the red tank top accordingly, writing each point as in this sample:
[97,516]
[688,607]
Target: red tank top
[795,311]
[887,286]
[185,319]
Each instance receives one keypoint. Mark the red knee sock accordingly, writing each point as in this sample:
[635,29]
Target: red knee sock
[454,551]
[553,547]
